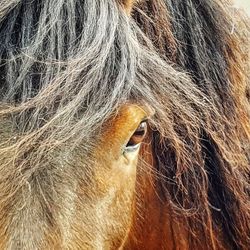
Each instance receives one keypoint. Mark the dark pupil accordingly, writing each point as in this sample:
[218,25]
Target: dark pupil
[138,135]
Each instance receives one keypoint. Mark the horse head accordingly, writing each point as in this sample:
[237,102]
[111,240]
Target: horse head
[124,125]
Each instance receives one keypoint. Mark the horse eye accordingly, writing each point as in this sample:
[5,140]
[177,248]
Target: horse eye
[137,137]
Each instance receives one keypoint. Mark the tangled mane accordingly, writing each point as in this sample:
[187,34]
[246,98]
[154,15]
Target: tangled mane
[67,66]
[207,39]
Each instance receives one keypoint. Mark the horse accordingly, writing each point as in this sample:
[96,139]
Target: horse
[124,124]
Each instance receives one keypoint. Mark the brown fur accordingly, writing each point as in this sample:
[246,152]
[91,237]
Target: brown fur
[75,85]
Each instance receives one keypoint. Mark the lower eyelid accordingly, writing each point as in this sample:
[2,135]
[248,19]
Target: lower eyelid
[132,148]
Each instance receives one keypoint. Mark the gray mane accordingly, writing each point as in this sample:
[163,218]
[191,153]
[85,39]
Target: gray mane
[66,67]
[62,63]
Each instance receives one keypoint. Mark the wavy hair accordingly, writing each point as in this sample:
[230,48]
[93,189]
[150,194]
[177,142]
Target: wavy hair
[67,66]
[209,186]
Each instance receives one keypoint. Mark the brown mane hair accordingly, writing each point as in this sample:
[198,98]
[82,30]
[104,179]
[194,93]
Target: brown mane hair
[67,66]
[209,40]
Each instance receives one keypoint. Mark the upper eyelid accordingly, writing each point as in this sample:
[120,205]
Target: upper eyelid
[145,119]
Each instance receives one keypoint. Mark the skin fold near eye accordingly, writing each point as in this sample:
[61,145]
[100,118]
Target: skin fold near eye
[127,129]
